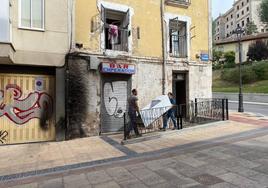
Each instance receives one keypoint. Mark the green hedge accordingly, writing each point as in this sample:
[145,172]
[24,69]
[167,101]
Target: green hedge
[250,73]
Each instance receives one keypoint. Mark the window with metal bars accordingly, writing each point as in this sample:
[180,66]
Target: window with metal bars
[115,29]
[177,38]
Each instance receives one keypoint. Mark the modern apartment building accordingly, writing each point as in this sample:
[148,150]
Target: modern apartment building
[34,39]
[241,13]
[154,46]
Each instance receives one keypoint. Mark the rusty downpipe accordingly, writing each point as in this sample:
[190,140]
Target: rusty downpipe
[162,10]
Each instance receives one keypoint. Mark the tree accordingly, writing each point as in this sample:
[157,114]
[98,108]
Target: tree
[264,11]
[251,28]
[258,51]
[229,59]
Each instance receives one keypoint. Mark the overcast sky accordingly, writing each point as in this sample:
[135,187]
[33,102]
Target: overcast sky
[220,6]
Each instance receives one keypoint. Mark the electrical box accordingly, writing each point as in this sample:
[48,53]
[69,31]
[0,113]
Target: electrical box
[94,63]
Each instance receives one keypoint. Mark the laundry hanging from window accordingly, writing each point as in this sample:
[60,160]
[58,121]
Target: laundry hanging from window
[113,34]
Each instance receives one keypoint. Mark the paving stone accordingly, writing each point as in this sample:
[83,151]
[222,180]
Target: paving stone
[170,177]
[133,184]
[110,184]
[190,161]
[55,183]
[120,174]
[239,180]
[223,185]
[212,169]
[98,177]
[78,181]
[207,179]
[152,180]
[243,171]
[30,185]
[187,170]
[263,169]
[143,173]
[260,178]
[190,185]
[160,164]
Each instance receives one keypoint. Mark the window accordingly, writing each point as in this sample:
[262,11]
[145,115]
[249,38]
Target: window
[262,30]
[237,7]
[218,23]
[237,16]
[238,25]
[231,16]
[247,1]
[227,26]
[242,3]
[232,23]
[247,20]
[177,38]
[247,8]
[32,14]
[243,23]
[242,12]
[227,19]
[115,29]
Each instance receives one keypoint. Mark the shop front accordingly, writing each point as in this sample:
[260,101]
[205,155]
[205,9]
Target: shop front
[115,90]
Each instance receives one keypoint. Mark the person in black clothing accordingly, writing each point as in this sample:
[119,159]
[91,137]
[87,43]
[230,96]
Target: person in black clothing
[133,110]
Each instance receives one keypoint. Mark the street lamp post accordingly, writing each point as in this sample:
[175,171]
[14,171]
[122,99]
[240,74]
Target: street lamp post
[239,31]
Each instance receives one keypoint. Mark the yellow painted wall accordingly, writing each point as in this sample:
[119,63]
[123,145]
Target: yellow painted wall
[147,17]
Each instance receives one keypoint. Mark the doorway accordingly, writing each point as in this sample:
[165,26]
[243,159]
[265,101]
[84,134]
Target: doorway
[179,90]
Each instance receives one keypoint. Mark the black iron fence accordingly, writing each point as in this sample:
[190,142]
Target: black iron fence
[203,111]
[194,113]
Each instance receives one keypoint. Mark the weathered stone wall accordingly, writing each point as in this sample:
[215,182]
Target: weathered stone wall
[84,100]
[200,81]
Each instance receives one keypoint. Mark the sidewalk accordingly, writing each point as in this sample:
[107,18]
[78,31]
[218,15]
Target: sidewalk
[53,156]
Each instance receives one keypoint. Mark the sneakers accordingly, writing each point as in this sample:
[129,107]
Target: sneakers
[174,128]
[162,129]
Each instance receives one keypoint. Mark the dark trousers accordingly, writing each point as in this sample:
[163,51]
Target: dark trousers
[172,117]
[133,123]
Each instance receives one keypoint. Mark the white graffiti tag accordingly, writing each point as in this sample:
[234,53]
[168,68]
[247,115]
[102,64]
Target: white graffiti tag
[115,98]
[21,110]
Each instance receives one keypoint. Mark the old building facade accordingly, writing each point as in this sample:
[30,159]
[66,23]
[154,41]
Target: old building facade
[241,13]
[155,46]
[34,40]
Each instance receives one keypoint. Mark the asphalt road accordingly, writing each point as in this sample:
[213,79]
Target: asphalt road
[259,109]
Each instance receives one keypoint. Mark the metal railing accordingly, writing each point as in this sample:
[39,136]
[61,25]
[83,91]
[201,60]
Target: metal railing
[117,43]
[179,46]
[194,113]
[148,121]
[203,111]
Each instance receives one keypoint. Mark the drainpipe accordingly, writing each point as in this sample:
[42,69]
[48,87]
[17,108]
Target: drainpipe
[162,10]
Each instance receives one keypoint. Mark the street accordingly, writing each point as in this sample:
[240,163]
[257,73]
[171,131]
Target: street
[258,109]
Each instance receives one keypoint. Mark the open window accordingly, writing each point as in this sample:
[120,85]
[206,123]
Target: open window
[177,38]
[115,29]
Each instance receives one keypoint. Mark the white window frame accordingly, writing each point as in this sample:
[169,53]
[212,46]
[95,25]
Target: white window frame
[32,28]
[182,18]
[122,8]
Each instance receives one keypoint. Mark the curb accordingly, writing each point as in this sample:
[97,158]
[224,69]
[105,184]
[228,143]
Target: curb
[246,102]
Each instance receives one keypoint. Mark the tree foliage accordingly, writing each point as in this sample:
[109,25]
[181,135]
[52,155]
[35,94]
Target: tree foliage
[258,51]
[264,11]
[251,28]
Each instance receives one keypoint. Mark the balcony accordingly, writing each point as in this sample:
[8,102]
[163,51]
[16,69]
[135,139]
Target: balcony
[6,48]
[179,3]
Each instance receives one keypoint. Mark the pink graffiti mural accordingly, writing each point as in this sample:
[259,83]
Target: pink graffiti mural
[21,110]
